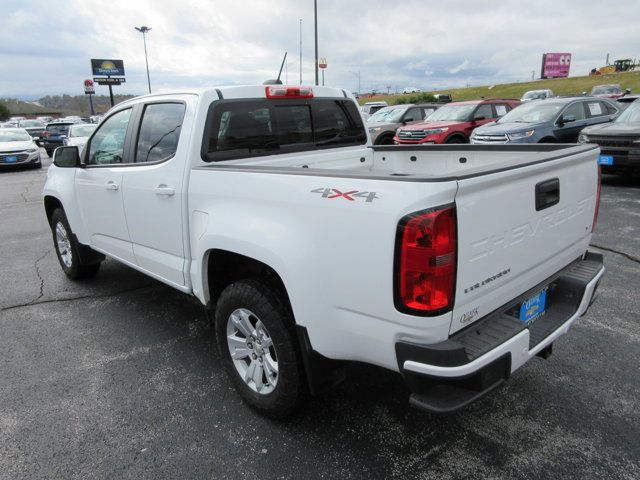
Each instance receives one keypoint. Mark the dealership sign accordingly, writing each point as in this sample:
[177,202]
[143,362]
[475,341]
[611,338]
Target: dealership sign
[104,67]
[89,88]
[555,65]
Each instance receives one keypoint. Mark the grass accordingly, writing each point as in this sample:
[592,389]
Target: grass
[560,86]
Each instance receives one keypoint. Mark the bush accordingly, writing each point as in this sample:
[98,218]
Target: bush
[4,112]
[415,98]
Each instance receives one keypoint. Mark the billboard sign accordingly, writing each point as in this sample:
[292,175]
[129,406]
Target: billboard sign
[109,81]
[106,67]
[555,65]
[88,87]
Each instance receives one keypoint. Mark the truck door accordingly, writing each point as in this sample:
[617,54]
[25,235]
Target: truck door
[99,186]
[153,190]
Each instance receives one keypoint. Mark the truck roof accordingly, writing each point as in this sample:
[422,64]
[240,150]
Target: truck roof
[242,91]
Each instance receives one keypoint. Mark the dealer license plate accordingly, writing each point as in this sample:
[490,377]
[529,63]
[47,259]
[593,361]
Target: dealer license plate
[533,307]
[11,159]
[605,160]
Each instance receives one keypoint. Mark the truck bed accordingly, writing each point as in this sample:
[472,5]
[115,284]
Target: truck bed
[407,163]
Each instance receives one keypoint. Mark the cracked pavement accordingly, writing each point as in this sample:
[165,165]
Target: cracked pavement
[118,377]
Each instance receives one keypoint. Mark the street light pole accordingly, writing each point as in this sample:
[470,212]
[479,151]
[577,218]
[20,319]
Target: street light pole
[357,74]
[315,22]
[144,30]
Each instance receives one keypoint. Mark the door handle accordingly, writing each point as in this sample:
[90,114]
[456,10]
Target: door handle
[112,186]
[165,190]
[547,194]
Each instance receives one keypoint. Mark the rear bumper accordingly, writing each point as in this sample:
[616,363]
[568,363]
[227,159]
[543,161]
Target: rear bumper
[447,376]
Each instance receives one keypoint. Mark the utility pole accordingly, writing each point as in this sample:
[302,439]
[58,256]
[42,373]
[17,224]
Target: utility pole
[315,23]
[144,30]
[357,74]
[533,73]
[300,51]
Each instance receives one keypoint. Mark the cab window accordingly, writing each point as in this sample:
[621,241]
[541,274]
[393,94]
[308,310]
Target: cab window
[159,132]
[107,145]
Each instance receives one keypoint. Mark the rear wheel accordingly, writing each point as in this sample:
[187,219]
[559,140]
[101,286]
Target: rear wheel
[256,339]
[454,140]
[68,249]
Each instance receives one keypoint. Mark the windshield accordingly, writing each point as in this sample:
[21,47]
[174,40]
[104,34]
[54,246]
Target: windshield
[388,114]
[534,94]
[82,131]
[455,113]
[535,112]
[605,89]
[14,136]
[31,123]
[631,114]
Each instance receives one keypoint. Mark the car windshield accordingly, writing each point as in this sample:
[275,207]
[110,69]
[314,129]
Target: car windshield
[82,130]
[535,112]
[534,94]
[605,89]
[631,114]
[388,114]
[14,136]
[58,129]
[454,113]
[31,123]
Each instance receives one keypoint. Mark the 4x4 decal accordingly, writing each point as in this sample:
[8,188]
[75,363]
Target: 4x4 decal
[351,195]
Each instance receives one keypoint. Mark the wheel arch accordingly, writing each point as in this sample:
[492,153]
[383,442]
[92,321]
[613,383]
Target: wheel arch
[224,267]
[50,205]
[457,136]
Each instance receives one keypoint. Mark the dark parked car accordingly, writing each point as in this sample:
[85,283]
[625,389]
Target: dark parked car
[382,125]
[619,141]
[35,128]
[555,120]
[54,136]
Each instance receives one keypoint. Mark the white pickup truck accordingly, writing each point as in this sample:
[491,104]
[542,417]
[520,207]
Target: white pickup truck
[450,264]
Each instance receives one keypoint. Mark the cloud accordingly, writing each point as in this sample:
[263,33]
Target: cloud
[198,42]
[459,68]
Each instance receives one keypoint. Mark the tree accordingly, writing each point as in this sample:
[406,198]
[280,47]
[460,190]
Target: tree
[4,112]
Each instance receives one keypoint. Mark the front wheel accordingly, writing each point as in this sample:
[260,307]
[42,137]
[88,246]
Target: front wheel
[68,249]
[256,340]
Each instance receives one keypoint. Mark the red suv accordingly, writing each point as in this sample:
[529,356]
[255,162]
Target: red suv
[454,122]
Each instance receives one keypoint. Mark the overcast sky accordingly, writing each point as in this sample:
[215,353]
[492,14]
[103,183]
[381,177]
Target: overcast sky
[45,45]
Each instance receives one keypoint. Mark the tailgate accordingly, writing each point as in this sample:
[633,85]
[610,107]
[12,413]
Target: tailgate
[506,243]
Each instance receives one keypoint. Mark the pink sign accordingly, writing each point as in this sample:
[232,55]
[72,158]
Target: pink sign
[555,65]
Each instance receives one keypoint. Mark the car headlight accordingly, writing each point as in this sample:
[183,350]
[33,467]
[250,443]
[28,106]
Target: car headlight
[583,138]
[434,131]
[515,136]
[33,150]
[375,129]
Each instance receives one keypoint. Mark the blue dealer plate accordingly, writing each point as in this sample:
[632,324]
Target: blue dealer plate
[533,307]
[605,160]
[11,159]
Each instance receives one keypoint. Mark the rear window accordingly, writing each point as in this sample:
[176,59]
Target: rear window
[243,128]
[58,129]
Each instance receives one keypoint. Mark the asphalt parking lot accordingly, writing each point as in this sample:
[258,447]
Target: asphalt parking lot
[118,377]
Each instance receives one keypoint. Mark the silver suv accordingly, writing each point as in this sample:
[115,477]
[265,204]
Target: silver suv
[383,124]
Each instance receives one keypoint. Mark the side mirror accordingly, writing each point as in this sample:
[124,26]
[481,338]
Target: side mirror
[407,120]
[479,117]
[567,119]
[627,91]
[584,94]
[66,157]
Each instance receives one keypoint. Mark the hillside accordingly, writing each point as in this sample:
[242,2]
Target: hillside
[560,86]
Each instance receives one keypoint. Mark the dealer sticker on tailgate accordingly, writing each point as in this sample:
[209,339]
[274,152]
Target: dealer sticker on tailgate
[533,307]
[605,160]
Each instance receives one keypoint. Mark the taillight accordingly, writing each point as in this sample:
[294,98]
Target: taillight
[283,91]
[426,262]
[595,214]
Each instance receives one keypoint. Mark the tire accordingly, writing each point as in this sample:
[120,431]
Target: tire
[255,322]
[453,140]
[49,152]
[548,140]
[385,140]
[68,249]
